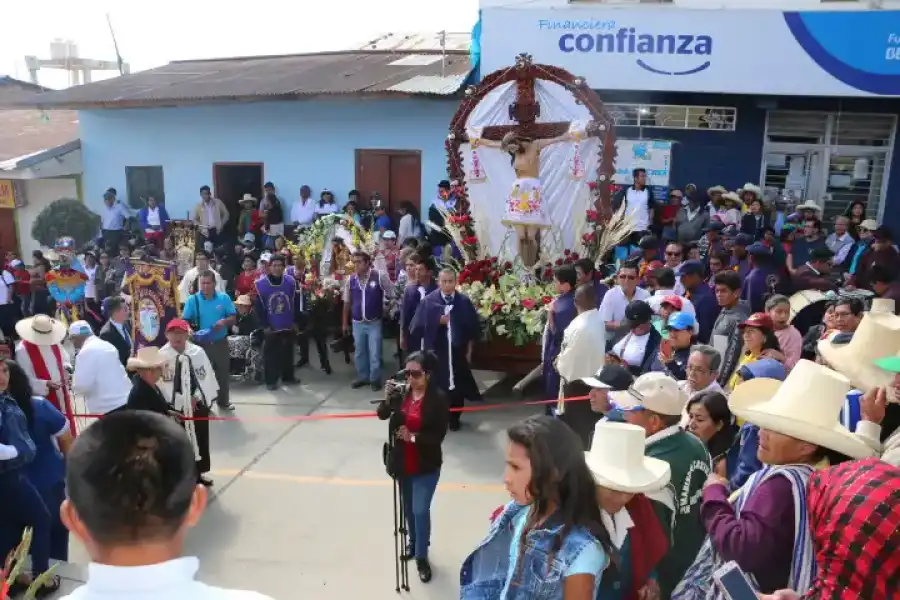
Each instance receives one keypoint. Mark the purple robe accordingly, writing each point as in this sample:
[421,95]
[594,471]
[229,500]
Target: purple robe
[412,297]
[450,348]
[742,266]
[600,290]
[564,312]
[759,283]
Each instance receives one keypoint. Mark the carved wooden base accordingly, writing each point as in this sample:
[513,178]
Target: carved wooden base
[498,354]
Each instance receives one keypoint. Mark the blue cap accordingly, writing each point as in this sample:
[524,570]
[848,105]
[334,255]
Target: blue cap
[681,321]
[742,239]
[692,267]
[758,249]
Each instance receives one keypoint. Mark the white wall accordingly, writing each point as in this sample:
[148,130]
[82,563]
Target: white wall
[40,193]
[704,4]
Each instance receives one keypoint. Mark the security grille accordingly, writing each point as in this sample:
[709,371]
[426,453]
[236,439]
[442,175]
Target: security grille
[670,116]
[852,178]
[856,129]
[795,127]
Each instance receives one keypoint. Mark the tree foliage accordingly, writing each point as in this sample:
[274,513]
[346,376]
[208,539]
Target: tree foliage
[66,216]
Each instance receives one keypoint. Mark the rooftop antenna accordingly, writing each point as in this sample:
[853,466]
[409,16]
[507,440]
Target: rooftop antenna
[112,33]
[442,36]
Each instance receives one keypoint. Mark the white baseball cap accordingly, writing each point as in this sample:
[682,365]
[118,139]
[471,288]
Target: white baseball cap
[80,328]
[652,391]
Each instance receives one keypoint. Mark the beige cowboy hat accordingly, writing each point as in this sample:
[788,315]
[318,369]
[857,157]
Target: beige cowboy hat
[731,197]
[870,224]
[249,198]
[41,330]
[753,189]
[51,255]
[244,300]
[877,336]
[883,305]
[808,205]
[716,189]
[617,461]
[146,358]
[806,406]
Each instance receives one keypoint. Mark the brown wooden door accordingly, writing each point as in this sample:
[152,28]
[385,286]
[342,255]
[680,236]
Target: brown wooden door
[9,241]
[395,174]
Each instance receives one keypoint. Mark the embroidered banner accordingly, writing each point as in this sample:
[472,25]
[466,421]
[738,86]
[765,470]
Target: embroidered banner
[153,288]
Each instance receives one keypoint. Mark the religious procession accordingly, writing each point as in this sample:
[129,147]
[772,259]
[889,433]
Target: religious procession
[719,368]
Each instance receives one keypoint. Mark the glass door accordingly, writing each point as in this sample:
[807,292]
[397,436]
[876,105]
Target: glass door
[795,172]
[854,174]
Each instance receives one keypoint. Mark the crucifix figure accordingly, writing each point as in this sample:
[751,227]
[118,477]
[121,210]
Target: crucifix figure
[524,141]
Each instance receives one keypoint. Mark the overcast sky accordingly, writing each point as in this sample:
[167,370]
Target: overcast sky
[152,34]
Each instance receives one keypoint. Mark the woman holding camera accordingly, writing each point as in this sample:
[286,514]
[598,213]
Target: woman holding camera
[418,423]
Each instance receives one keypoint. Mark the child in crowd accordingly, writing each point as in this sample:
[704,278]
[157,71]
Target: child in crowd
[789,339]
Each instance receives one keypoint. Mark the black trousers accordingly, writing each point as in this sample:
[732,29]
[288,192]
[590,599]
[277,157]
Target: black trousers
[278,357]
[111,239]
[578,414]
[201,428]
[319,335]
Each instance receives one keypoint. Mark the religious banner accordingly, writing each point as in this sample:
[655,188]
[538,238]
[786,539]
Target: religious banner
[153,289]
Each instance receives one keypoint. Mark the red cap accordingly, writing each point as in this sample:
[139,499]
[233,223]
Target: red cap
[179,324]
[761,320]
[673,300]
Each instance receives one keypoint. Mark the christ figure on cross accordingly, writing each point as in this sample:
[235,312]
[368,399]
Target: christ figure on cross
[523,210]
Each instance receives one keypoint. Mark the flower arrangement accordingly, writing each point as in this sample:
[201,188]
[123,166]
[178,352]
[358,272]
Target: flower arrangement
[510,307]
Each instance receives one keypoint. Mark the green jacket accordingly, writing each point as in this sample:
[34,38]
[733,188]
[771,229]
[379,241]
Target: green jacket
[678,506]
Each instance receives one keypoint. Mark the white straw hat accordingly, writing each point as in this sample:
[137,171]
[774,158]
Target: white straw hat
[877,336]
[883,305]
[753,189]
[41,330]
[808,205]
[617,460]
[806,406]
[146,358]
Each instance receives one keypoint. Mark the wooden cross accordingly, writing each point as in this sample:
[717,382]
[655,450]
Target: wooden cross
[526,110]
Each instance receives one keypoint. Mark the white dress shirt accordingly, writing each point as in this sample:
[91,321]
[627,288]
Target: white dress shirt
[171,580]
[631,349]
[153,217]
[302,212]
[100,377]
[614,302]
[583,347]
[90,286]
[636,205]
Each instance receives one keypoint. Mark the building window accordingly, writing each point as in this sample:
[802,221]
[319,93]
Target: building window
[143,182]
[831,158]
[670,116]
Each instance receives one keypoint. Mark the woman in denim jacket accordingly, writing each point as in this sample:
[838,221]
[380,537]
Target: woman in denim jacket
[549,542]
[20,503]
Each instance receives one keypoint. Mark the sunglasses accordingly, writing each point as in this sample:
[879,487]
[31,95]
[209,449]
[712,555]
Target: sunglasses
[673,253]
[414,373]
[627,276]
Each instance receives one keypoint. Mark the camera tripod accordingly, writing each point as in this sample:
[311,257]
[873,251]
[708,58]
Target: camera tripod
[401,539]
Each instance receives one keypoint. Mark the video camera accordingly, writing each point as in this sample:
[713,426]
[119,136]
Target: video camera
[395,390]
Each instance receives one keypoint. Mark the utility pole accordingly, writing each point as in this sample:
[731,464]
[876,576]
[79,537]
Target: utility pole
[112,33]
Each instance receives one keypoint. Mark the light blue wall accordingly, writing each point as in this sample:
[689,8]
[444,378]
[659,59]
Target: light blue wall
[306,142]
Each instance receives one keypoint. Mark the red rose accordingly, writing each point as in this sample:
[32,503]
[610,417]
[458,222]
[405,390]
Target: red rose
[575,256]
[548,273]
[338,277]
[567,252]
[494,260]
[547,300]
[559,262]
[592,185]
[528,303]
[507,265]
[496,307]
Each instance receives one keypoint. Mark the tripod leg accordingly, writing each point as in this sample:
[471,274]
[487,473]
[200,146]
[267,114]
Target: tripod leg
[404,540]
[398,518]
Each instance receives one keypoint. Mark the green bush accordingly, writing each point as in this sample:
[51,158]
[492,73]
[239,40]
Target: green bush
[66,216]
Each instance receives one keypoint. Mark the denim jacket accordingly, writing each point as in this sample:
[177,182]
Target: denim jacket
[14,432]
[484,572]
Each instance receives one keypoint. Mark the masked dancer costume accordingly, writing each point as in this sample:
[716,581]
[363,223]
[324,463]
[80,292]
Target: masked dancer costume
[67,282]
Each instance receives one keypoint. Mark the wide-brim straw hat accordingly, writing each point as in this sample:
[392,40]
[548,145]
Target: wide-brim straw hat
[753,189]
[617,461]
[716,189]
[808,205]
[730,197]
[146,358]
[41,330]
[883,305]
[877,336]
[806,406]
[249,199]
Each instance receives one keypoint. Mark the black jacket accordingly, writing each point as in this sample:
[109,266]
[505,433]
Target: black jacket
[435,417]
[110,334]
[754,228]
[143,396]
[437,238]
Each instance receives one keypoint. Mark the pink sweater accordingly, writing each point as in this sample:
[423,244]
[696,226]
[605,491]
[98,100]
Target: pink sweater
[791,343]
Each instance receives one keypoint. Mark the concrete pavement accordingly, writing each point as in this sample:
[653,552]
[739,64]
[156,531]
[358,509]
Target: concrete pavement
[304,508]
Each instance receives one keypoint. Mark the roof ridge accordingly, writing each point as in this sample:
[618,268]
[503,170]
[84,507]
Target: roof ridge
[363,51]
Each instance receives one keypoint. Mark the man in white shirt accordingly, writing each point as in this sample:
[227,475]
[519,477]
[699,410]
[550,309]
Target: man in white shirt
[612,309]
[112,219]
[840,241]
[583,353]
[132,496]
[189,283]
[304,210]
[99,375]
[639,204]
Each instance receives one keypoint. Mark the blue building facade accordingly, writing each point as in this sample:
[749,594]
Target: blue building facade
[313,142]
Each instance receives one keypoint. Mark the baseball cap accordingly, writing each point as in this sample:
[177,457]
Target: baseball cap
[758,249]
[648,242]
[742,239]
[389,235]
[760,320]
[610,377]
[652,391]
[638,312]
[677,302]
[691,267]
[178,325]
[266,257]
[249,238]
[80,328]
[681,321]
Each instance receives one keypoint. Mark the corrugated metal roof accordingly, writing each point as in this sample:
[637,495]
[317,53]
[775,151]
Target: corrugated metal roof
[260,78]
[447,40]
[430,84]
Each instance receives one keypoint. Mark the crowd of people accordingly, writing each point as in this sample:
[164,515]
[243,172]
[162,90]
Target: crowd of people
[719,427]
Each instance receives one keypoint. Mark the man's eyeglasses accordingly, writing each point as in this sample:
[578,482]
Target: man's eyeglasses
[842,314]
